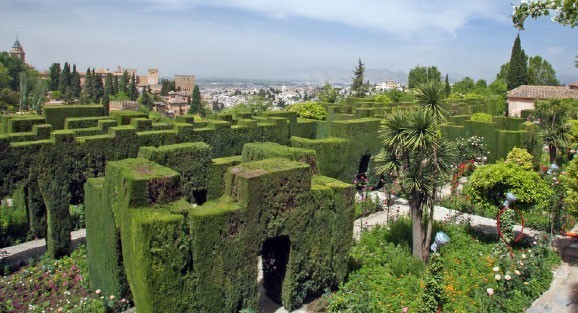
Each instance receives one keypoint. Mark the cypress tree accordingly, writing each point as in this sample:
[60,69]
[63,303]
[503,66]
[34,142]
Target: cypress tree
[448,88]
[114,90]
[195,106]
[54,76]
[518,71]
[357,86]
[132,91]
[88,86]
[75,82]
[123,83]
[64,81]
[98,87]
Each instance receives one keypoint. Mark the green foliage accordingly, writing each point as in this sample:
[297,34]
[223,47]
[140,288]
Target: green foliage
[518,69]
[433,297]
[472,148]
[570,181]
[56,115]
[520,157]
[541,73]
[565,12]
[468,273]
[310,109]
[358,87]
[328,94]
[488,185]
[196,105]
[422,74]
[481,117]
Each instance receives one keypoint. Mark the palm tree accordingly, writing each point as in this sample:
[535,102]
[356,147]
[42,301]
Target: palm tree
[415,153]
[554,121]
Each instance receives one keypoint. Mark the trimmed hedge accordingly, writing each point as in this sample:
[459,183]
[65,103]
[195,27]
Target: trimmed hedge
[20,123]
[181,258]
[329,153]
[105,264]
[265,150]
[191,160]
[56,115]
[84,122]
[123,117]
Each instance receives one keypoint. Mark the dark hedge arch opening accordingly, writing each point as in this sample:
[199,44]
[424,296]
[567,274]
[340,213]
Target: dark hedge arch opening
[274,255]
[364,164]
[200,196]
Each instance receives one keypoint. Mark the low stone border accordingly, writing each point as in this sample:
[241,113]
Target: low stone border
[19,255]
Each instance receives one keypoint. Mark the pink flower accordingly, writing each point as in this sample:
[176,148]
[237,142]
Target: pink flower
[98,291]
[405,309]
[490,291]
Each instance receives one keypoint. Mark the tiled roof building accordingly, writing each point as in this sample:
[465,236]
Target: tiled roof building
[525,96]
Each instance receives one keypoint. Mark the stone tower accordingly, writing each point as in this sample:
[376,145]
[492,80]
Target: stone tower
[153,76]
[18,51]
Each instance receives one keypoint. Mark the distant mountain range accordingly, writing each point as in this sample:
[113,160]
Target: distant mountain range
[340,76]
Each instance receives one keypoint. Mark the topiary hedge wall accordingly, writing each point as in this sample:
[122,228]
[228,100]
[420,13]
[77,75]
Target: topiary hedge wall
[56,115]
[191,160]
[266,150]
[181,258]
[20,123]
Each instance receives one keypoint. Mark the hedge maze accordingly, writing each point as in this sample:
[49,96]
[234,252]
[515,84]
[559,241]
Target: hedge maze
[177,214]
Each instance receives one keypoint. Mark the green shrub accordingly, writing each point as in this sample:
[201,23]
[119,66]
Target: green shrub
[387,279]
[488,186]
[311,109]
[481,117]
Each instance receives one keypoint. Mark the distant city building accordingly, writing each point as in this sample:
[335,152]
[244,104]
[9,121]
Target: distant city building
[389,85]
[17,51]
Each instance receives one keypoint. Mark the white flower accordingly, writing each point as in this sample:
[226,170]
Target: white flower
[490,291]
[498,277]
[523,256]
[507,277]
[496,269]
[517,272]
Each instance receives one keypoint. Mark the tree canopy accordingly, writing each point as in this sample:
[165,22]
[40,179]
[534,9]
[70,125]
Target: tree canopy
[422,74]
[358,87]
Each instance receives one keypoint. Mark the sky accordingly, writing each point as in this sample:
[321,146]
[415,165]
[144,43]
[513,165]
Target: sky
[276,39]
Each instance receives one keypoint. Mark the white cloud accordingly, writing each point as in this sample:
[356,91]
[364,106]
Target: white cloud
[402,18]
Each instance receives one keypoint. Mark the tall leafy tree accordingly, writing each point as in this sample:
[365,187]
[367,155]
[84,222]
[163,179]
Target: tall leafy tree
[422,74]
[328,94]
[14,67]
[518,71]
[415,153]
[54,76]
[358,87]
[464,86]
[166,86]
[146,101]
[541,73]
[196,101]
